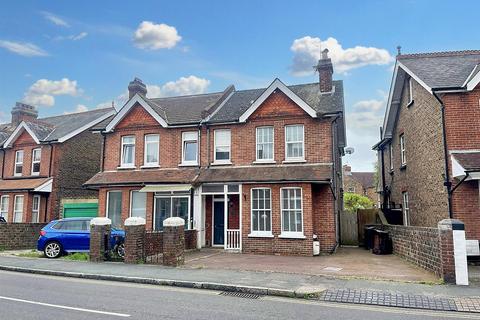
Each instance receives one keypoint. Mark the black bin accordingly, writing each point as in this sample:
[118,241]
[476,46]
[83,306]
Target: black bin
[382,244]
[368,234]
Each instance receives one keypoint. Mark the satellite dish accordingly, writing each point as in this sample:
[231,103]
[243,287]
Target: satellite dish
[349,150]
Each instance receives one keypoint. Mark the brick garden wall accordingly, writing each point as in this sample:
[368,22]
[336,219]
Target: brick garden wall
[15,236]
[154,243]
[418,245]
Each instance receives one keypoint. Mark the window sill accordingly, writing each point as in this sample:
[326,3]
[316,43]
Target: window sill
[126,168]
[295,161]
[264,162]
[150,166]
[260,235]
[292,236]
[35,174]
[188,165]
[226,163]
[410,104]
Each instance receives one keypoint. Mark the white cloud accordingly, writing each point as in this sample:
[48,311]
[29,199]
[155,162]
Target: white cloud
[25,49]
[369,105]
[42,92]
[152,36]
[366,117]
[182,86]
[73,37]
[79,108]
[307,52]
[55,19]
[3,116]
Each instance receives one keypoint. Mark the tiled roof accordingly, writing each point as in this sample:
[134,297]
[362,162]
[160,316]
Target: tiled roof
[470,161]
[21,184]
[367,179]
[442,69]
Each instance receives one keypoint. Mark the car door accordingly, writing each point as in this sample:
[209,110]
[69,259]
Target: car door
[75,236]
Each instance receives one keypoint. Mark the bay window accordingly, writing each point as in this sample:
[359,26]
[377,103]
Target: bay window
[18,209]
[264,144]
[294,143]
[18,163]
[114,208]
[190,148]
[4,206]
[128,151]
[152,148]
[36,208]
[222,146]
[171,206]
[261,207]
[36,157]
[138,204]
[292,212]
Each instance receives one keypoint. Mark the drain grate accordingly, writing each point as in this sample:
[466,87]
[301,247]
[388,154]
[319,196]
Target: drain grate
[244,295]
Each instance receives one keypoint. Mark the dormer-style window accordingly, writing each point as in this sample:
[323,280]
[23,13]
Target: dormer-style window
[152,148]
[264,144]
[294,143]
[190,148]
[403,157]
[36,158]
[18,163]
[128,151]
[222,146]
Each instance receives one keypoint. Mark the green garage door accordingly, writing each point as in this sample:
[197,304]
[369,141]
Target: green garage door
[76,210]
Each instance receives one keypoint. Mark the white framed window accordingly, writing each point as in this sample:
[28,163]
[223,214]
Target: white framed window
[4,206]
[36,208]
[18,209]
[222,141]
[406,209]
[138,204]
[152,148]
[18,169]
[174,206]
[265,144]
[391,156]
[128,151]
[294,143]
[36,158]
[292,212]
[410,90]
[114,207]
[190,148]
[403,157]
[261,212]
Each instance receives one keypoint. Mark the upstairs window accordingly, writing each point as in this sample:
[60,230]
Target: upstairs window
[152,142]
[403,157]
[36,157]
[294,143]
[265,144]
[128,151]
[190,148]
[18,163]
[222,146]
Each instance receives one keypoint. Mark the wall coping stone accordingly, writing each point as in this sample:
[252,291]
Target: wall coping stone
[100,221]
[451,224]
[173,222]
[135,221]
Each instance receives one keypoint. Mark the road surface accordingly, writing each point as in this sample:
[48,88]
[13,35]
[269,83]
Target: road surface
[25,297]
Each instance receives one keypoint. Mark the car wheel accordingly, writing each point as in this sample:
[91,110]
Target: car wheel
[121,250]
[53,250]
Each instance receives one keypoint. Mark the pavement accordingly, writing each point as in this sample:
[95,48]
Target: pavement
[37,297]
[318,287]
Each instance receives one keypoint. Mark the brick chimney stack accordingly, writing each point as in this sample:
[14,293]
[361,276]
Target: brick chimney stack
[347,170]
[23,112]
[136,86]
[325,72]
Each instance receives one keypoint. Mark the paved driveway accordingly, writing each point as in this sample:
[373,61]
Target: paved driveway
[347,262]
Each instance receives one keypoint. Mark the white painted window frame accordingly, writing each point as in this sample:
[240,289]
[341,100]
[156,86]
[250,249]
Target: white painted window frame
[16,212]
[391,156]
[146,145]
[17,163]
[291,234]
[2,202]
[216,145]
[260,233]
[264,143]
[295,159]
[405,208]
[410,91]
[131,203]
[184,141]
[403,157]
[36,210]
[124,144]
[187,223]
[39,150]
[108,201]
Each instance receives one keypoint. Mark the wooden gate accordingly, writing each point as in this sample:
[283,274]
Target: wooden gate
[348,229]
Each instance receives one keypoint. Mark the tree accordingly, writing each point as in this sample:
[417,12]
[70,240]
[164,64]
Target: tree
[352,202]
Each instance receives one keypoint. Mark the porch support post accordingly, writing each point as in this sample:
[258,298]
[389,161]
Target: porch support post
[225,212]
[240,212]
[198,222]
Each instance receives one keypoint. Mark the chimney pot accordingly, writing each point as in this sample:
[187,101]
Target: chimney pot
[136,86]
[347,170]
[23,112]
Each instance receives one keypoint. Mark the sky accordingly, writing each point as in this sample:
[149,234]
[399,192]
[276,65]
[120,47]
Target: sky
[65,56]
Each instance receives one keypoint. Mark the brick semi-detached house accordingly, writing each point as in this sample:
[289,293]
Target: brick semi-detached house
[252,170]
[45,161]
[361,183]
[430,145]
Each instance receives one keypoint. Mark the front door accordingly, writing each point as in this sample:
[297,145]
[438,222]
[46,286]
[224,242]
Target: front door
[218,222]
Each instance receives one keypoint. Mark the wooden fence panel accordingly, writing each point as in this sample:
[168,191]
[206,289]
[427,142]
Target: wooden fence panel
[365,216]
[348,228]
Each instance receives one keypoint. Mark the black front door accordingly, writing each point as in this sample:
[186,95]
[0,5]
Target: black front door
[218,222]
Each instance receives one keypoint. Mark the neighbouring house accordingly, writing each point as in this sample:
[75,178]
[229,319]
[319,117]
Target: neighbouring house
[252,170]
[45,161]
[362,183]
[429,152]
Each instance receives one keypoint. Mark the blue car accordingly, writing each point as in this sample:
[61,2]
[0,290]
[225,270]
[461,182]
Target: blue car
[73,235]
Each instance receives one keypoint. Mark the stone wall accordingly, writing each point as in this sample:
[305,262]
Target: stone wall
[418,245]
[15,236]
